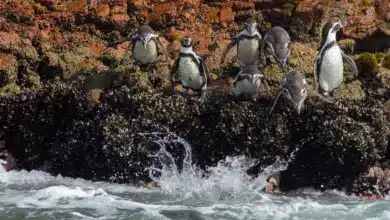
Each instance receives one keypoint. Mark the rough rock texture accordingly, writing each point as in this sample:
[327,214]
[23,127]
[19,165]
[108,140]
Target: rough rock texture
[67,107]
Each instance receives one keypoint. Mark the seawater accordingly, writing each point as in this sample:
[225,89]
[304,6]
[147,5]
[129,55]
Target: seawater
[186,193]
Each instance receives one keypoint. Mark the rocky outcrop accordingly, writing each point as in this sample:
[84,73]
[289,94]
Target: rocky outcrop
[68,108]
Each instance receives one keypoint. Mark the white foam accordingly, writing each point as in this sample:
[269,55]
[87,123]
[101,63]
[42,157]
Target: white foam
[224,192]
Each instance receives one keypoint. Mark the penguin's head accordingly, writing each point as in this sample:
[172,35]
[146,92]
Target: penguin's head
[295,89]
[7,161]
[4,157]
[330,30]
[250,26]
[254,71]
[186,41]
[145,33]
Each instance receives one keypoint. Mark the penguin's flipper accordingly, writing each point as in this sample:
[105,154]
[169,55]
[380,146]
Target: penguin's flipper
[233,43]
[238,76]
[132,39]
[271,47]
[328,100]
[262,55]
[351,64]
[276,100]
[162,47]
[315,73]
[204,70]
[173,73]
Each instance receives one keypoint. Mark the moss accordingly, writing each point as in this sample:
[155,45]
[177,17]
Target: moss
[142,78]
[379,56]
[31,79]
[213,46]
[368,64]
[386,61]
[9,89]
[290,4]
[366,2]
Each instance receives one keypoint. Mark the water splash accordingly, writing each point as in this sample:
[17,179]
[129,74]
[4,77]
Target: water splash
[226,181]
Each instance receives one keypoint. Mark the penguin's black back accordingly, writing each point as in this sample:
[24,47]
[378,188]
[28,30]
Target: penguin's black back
[278,37]
[294,83]
[325,30]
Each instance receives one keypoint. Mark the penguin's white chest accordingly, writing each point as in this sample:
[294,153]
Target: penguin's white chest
[248,51]
[245,87]
[189,74]
[331,69]
[145,56]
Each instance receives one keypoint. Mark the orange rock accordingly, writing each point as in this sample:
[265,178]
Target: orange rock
[7,39]
[241,5]
[80,6]
[96,49]
[118,10]
[120,18]
[212,15]
[8,68]
[6,60]
[306,5]
[138,3]
[189,16]
[226,15]
[160,10]
[103,10]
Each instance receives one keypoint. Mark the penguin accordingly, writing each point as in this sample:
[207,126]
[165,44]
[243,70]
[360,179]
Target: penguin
[189,69]
[248,44]
[277,44]
[7,161]
[273,183]
[328,64]
[295,89]
[248,81]
[145,44]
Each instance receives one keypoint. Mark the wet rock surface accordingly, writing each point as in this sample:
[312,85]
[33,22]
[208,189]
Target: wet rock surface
[68,108]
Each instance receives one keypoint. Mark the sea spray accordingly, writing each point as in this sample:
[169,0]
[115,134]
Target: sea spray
[225,181]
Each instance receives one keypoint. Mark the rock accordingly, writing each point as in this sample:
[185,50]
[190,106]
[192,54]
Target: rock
[79,6]
[103,10]
[63,75]
[226,15]
[8,69]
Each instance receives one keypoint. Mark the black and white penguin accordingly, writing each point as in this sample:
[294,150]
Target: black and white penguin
[7,161]
[295,89]
[276,44]
[248,81]
[248,44]
[189,69]
[145,45]
[328,65]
